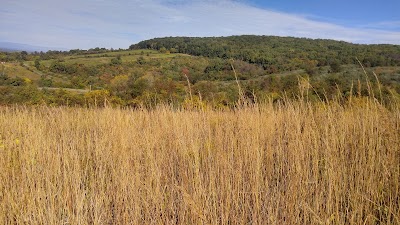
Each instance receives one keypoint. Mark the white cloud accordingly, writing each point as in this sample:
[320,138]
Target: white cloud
[386,25]
[119,23]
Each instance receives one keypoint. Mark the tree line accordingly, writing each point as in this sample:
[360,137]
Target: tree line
[277,54]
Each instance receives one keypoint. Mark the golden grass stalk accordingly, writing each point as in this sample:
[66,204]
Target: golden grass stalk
[289,163]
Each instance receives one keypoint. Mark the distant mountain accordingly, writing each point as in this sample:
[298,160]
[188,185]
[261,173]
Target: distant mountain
[16,47]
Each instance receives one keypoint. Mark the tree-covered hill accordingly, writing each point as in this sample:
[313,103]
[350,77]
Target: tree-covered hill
[278,53]
[174,70]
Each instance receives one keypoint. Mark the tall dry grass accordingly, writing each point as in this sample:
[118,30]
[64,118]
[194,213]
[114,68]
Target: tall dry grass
[288,163]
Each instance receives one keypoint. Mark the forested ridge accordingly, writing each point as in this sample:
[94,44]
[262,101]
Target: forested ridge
[278,53]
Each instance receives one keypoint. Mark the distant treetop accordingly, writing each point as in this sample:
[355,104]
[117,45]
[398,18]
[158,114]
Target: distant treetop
[277,51]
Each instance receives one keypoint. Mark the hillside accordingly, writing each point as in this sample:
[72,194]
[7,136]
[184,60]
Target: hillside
[177,69]
[278,53]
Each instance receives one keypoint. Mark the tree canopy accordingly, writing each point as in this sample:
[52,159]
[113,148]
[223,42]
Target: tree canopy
[278,53]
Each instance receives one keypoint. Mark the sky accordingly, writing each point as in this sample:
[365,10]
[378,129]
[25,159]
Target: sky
[88,24]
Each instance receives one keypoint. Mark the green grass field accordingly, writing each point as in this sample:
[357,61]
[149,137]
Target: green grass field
[27,69]
[16,70]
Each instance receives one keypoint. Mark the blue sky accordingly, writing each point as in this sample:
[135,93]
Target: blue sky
[118,23]
[351,13]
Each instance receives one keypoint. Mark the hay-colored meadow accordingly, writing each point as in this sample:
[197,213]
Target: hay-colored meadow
[288,163]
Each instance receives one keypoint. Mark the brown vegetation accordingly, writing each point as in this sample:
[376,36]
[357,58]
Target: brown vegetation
[286,163]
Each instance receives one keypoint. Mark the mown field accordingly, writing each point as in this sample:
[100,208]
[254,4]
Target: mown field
[104,58]
[290,162]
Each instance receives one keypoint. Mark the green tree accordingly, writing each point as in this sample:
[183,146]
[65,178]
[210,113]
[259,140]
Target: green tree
[23,55]
[116,61]
[335,66]
[37,63]
[137,87]
[119,85]
[163,50]
[141,60]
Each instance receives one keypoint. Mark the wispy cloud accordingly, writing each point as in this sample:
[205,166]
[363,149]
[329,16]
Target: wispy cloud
[385,25]
[119,23]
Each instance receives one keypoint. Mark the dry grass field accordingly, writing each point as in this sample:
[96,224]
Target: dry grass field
[288,163]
